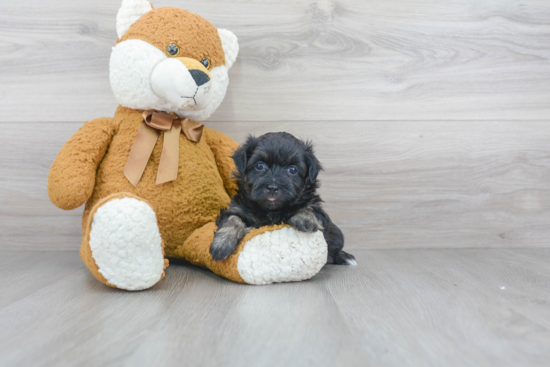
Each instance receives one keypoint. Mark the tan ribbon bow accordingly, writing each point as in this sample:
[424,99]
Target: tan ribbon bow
[153,123]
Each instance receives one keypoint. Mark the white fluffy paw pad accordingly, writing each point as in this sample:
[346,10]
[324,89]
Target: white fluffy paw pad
[284,255]
[126,244]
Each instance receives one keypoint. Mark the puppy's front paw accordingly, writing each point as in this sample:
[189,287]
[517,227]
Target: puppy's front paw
[227,238]
[305,221]
[220,250]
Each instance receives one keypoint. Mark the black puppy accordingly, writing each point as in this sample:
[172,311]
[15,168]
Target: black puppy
[277,183]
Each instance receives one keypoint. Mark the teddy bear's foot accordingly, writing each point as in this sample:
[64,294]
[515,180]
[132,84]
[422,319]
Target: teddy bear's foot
[266,255]
[124,243]
[282,255]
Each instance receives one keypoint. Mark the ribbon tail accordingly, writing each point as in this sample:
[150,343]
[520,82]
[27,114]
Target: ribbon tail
[140,153]
[192,130]
[169,159]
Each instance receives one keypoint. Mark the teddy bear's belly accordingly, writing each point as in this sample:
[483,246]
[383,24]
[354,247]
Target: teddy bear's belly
[192,200]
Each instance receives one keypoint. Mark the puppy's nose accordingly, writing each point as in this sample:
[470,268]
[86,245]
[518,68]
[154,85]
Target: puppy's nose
[200,77]
[273,189]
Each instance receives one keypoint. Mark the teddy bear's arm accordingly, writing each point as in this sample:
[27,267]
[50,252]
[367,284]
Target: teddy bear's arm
[72,176]
[223,147]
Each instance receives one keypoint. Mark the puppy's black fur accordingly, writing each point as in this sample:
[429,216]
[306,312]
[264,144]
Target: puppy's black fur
[277,183]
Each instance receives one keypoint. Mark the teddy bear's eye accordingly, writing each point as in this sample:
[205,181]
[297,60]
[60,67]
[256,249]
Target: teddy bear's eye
[173,50]
[206,63]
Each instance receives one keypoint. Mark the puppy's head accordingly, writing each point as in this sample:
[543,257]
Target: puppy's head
[276,170]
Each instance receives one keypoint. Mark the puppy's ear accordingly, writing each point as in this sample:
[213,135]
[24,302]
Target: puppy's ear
[241,155]
[313,164]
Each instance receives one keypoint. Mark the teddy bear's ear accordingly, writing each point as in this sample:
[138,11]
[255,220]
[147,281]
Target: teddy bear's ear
[230,46]
[130,11]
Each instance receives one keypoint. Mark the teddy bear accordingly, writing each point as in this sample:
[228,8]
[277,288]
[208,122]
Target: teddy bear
[153,177]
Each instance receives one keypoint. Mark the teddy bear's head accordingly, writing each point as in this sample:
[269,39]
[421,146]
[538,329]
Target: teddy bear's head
[171,60]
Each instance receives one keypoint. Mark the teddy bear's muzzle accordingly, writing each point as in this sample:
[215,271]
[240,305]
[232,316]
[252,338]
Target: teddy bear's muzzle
[194,66]
[182,81]
[200,77]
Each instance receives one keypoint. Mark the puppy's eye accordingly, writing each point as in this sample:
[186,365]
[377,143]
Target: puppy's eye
[173,50]
[206,63]
[292,170]
[260,166]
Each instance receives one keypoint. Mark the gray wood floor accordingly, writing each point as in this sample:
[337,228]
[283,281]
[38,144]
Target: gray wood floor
[448,307]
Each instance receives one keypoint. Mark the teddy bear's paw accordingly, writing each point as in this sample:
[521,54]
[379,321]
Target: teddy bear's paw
[126,244]
[284,255]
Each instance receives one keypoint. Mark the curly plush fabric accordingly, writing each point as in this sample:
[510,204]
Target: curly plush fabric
[163,26]
[265,255]
[129,13]
[230,46]
[126,245]
[108,275]
[294,256]
[182,206]
[128,230]
[71,179]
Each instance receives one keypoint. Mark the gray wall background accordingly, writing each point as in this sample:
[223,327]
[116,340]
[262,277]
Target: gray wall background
[431,118]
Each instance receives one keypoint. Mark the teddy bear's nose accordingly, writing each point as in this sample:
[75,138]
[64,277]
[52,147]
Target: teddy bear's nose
[200,77]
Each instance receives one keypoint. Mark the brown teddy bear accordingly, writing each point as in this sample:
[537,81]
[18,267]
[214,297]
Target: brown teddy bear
[153,177]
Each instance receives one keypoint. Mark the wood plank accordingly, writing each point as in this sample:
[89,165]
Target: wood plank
[85,319]
[387,185]
[482,307]
[23,273]
[300,60]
